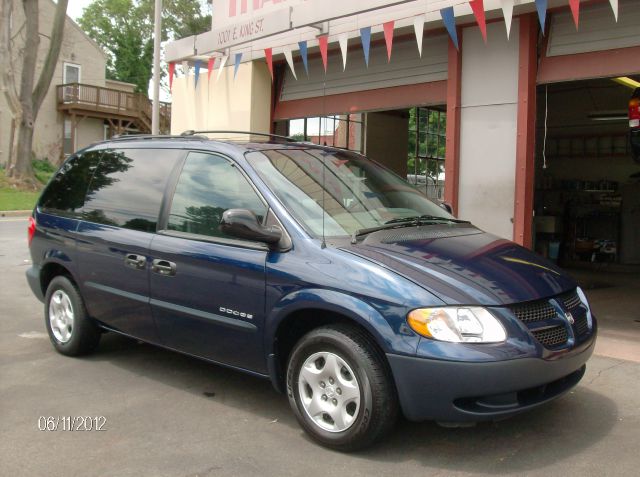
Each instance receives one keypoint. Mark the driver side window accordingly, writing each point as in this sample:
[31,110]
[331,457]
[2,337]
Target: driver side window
[208,186]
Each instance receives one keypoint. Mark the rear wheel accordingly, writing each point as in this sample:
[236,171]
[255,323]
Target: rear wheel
[340,388]
[71,331]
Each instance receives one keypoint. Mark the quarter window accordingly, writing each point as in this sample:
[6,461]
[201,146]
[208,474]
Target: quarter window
[208,186]
[66,192]
[127,187]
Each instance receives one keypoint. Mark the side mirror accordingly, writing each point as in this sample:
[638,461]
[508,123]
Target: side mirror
[243,223]
[447,206]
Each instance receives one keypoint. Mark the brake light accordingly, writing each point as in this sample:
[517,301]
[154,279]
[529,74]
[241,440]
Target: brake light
[634,111]
[32,228]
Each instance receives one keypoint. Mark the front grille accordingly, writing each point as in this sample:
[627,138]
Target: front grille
[581,324]
[552,337]
[535,311]
[571,300]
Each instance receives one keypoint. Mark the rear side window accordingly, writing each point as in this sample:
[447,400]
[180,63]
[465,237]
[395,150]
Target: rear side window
[208,186]
[127,187]
[66,192]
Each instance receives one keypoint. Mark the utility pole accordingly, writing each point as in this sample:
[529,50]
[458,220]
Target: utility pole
[157,37]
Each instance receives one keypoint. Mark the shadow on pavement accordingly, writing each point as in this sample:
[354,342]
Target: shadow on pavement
[533,440]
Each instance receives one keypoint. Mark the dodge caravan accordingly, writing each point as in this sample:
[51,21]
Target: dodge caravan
[312,267]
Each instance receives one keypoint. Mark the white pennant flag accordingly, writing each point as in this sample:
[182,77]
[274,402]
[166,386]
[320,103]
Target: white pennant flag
[185,71]
[614,7]
[418,26]
[289,57]
[223,62]
[343,40]
[507,11]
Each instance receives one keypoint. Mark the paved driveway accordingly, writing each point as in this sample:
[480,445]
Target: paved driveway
[168,414]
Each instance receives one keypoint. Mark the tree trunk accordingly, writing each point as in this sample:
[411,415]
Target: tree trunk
[22,169]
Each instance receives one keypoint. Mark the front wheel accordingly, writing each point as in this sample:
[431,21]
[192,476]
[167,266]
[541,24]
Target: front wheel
[340,388]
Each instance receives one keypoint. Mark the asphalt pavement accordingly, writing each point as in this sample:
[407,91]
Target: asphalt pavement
[162,413]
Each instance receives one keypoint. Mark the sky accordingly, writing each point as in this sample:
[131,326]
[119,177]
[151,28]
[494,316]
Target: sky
[74,8]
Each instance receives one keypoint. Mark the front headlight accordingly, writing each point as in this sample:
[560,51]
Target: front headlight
[465,324]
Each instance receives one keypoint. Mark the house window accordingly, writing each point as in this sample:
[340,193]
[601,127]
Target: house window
[67,141]
[342,130]
[427,139]
[71,73]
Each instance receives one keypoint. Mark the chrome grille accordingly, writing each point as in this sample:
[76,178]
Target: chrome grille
[552,337]
[571,300]
[582,324]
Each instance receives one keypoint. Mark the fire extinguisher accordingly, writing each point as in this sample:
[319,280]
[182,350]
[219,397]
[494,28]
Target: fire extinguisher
[634,124]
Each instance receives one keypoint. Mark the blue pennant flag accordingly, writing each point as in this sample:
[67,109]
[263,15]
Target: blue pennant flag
[541,5]
[365,37]
[198,63]
[449,18]
[237,65]
[303,53]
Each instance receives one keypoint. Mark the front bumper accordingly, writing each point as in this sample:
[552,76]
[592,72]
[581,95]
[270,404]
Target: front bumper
[458,392]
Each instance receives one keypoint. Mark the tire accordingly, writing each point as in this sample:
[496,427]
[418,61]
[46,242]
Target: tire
[72,334]
[365,410]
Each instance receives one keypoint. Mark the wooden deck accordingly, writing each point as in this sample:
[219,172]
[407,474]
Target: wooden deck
[113,105]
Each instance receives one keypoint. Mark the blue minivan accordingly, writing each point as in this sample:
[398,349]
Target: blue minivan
[310,266]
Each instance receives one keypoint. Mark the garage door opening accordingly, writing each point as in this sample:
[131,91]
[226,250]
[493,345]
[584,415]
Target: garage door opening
[587,199]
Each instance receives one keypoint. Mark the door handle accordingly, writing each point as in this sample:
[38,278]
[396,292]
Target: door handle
[163,267]
[135,261]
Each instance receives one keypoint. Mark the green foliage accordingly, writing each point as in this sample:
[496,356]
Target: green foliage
[427,129]
[13,197]
[43,170]
[124,28]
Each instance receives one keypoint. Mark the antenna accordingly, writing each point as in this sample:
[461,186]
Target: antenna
[324,167]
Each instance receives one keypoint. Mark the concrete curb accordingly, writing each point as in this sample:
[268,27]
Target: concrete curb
[15,213]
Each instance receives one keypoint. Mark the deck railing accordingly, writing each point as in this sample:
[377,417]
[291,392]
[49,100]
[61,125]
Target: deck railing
[107,100]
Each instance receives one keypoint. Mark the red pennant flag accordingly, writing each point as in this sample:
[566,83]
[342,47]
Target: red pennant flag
[268,54]
[388,37]
[323,42]
[210,67]
[478,11]
[575,11]
[172,70]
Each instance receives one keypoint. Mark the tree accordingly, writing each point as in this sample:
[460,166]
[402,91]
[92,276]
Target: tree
[124,28]
[25,99]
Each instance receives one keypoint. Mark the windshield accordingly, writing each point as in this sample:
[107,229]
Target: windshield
[354,192]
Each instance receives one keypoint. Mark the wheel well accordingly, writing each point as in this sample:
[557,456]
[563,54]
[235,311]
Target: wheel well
[49,272]
[299,323]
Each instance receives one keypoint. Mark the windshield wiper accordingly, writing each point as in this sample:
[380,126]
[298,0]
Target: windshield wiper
[404,222]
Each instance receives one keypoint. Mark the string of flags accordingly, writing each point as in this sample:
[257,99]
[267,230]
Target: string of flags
[448,18]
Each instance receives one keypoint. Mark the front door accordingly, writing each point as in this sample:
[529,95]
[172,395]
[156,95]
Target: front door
[207,289]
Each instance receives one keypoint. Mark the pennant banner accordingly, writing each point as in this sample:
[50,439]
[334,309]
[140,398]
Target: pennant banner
[365,37]
[343,39]
[223,62]
[288,55]
[418,27]
[198,63]
[172,71]
[388,37]
[614,7]
[303,53]
[449,19]
[268,55]
[323,42]
[507,12]
[236,65]
[185,71]
[210,64]
[478,11]
[575,11]
[541,6]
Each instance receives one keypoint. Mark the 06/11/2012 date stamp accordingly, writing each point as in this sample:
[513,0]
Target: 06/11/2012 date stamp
[72,423]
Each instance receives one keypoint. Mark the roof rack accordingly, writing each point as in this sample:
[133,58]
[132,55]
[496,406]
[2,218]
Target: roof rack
[125,137]
[191,132]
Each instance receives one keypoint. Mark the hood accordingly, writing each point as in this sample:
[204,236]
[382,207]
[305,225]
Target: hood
[463,265]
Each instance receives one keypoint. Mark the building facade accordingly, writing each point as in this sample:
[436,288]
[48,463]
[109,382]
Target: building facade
[519,158]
